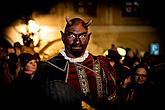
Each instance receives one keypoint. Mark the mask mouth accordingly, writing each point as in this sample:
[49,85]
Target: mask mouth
[77,48]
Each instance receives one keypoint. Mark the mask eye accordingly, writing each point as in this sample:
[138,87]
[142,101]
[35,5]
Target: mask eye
[72,36]
[82,36]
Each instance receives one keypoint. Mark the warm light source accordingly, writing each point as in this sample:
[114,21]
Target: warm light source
[33,27]
[122,52]
[106,52]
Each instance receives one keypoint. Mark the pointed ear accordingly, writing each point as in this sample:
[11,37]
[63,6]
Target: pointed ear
[89,35]
[62,35]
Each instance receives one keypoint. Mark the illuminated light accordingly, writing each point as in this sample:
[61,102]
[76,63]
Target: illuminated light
[33,27]
[21,28]
[121,51]
[122,58]
[105,53]
[48,34]
[33,30]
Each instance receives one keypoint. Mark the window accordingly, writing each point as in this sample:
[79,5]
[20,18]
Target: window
[132,8]
[154,48]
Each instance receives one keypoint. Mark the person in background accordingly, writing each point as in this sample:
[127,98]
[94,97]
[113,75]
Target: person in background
[142,92]
[22,87]
[114,57]
[91,76]
[124,75]
[130,59]
[17,48]
[28,64]
[124,84]
[9,63]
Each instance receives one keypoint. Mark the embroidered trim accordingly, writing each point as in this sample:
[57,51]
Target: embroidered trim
[96,68]
[66,67]
[62,69]
[79,59]
[82,79]
[112,77]
[112,96]
[84,66]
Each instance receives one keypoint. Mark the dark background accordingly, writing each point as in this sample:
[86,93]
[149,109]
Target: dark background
[14,9]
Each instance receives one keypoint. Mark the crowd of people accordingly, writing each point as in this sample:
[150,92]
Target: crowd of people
[76,79]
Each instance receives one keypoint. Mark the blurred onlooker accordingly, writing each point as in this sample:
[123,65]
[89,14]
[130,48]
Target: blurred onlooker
[130,59]
[22,88]
[17,48]
[124,84]
[141,93]
[113,56]
[28,65]
[124,75]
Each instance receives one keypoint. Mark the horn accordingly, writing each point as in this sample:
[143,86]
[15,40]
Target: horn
[68,20]
[88,23]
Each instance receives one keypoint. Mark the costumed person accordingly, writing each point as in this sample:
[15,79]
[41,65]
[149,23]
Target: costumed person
[91,76]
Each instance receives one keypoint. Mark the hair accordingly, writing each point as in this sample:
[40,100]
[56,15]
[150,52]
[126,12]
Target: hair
[141,65]
[113,55]
[17,44]
[25,58]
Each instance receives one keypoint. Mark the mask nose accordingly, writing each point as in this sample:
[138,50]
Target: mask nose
[77,40]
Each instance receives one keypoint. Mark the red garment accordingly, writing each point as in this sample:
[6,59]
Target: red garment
[94,78]
[91,76]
